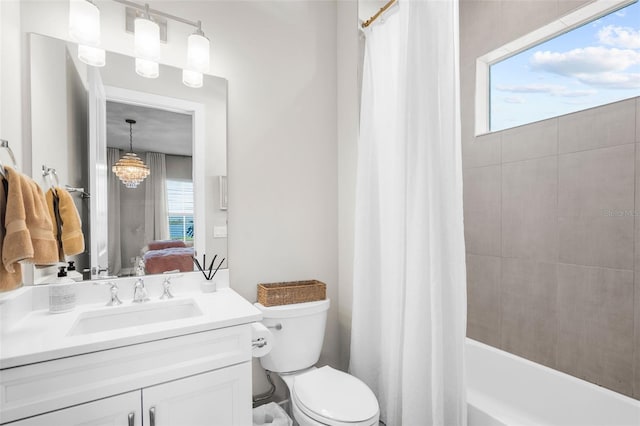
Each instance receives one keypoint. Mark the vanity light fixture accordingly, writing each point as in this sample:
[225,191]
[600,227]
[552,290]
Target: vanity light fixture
[93,56]
[130,169]
[84,28]
[147,45]
[197,58]
[198,48]
[146,68]
[192,78]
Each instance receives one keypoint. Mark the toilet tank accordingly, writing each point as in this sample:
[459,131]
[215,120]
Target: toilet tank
[297,342]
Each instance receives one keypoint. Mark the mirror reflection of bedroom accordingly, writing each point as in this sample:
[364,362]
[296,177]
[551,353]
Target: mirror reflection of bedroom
[150,222]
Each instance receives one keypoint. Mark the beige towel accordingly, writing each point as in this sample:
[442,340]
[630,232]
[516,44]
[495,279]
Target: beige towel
[8,280]
[72,238]
[29,234]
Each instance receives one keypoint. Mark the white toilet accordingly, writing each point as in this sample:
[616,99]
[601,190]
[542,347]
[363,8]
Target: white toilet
[319,396]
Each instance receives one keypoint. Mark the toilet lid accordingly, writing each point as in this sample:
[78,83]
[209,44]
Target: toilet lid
[333,395]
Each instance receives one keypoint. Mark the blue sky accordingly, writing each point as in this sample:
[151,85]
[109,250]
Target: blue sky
[594,64]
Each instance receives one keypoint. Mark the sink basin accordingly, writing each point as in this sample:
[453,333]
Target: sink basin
[112,318]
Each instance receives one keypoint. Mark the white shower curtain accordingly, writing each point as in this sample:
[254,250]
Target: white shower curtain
[156,219]
[409,309]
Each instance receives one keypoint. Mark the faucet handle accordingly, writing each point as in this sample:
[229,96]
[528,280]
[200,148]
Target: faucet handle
[166,289]
[115,300]
[166,284]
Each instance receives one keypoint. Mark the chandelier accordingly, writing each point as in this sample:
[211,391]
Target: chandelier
[130,169]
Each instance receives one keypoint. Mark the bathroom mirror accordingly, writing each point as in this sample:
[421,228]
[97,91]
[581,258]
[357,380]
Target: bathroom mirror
[78,128]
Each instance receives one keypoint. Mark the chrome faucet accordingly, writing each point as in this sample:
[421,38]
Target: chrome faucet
[140,292]
[115,300]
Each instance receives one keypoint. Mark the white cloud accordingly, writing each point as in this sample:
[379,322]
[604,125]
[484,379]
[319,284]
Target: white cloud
[577,93]
[530,88]
[514,100]
[624,37]
[586,60]
[576,102]
[621,13]
[551,89]
[611,80]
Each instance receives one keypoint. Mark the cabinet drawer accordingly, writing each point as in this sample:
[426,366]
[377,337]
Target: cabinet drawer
[46,386]
[117,410]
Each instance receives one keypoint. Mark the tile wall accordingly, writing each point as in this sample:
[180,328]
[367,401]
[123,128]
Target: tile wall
[553,243]
[551,261]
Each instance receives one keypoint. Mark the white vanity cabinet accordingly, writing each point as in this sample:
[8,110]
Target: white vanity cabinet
[113,411]
[213,398]
[198,379]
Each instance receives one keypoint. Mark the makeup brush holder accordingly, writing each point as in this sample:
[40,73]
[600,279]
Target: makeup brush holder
[208,286]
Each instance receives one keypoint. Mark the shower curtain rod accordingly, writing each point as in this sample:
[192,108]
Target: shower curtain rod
[371,20]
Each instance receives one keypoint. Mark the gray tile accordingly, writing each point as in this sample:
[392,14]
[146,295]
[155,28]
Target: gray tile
[637,210]
[595,207]
[608,125]
[483,299]
[593,182]
[595,325]
[596,241]
[566,6]
[531,141]
[529,324]
[638,120]
[479,17]
[636,346]
[482,210]
[481,151]
[529,209]
[520,17]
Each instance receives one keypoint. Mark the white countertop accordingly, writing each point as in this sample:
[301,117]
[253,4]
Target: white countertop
[30,333]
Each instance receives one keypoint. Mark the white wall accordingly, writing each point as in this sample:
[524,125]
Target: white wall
[280,60]
[348,117]
[11,104]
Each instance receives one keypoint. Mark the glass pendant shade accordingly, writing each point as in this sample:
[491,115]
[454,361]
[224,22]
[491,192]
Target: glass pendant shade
[93,56]
[192,78]
[130,169]
[147,40]
[84,22]
[148,69]
[198,53]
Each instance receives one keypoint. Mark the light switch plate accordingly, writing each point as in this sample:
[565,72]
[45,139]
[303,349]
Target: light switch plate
[219,232]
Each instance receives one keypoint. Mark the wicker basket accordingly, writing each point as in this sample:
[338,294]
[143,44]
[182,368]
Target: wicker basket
[274,294]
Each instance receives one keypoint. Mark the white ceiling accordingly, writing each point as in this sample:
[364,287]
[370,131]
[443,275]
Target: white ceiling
[155,129]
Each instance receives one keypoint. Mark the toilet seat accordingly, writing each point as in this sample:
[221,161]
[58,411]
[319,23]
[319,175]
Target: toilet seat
[334,398]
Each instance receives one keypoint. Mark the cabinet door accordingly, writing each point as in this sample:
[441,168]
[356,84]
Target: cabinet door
[217,398]
[120,410]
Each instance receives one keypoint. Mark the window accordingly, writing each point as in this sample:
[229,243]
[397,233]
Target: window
[595,63]
[180,209]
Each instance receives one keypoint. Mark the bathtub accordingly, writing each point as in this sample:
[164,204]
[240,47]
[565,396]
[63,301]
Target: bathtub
[506,390]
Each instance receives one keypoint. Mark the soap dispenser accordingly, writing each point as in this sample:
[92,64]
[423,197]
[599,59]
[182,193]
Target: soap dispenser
[73,273]
[62,295]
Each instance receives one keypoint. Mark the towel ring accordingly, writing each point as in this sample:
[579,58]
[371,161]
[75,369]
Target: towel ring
[5,145]
[51,174]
